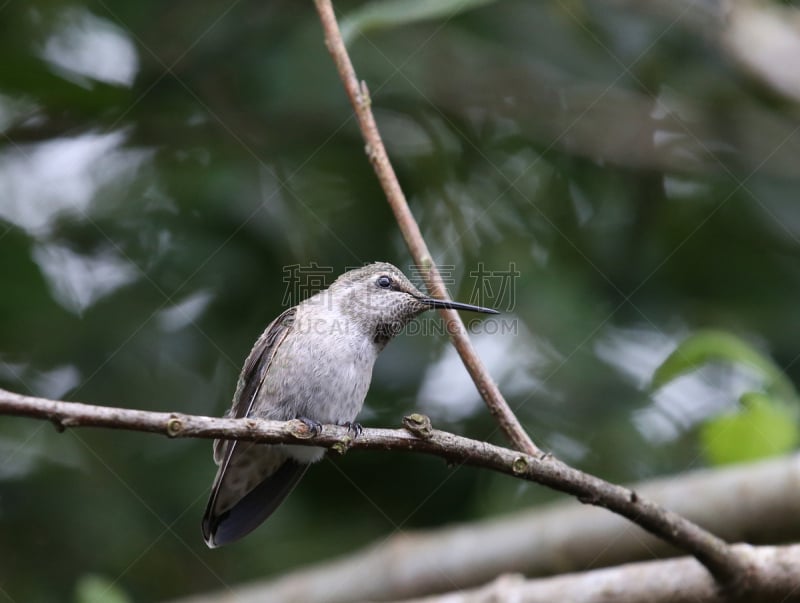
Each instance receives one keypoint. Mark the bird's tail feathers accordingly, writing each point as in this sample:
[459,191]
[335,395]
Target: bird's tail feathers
[222,526]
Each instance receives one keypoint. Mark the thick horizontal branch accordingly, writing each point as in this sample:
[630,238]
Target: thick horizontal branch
[727,566]
[667,581]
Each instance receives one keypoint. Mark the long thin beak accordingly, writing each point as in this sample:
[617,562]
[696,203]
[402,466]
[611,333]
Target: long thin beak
[441,303]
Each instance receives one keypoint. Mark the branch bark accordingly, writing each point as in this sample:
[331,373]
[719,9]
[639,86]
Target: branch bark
[680,580]
[376,151]
[670,581]
[728,567]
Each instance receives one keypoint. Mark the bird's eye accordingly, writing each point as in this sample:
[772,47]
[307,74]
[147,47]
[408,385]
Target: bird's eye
[384,282]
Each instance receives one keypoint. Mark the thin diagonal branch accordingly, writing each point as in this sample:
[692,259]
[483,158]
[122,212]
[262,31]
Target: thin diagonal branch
[721,560]
[376,151]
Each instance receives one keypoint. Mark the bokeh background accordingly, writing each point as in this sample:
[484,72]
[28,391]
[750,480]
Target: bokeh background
[162,164]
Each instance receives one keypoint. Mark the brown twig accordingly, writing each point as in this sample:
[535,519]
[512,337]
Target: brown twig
[376,151]
[418,436]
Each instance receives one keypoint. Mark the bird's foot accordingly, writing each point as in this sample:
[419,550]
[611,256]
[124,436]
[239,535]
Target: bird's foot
[314,426]
[352,427]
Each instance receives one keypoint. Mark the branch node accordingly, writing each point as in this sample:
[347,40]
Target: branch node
[634,498]
[419,425]
[61,423]
[174,426]
[342,445]
[520,465]
[364,99]
[301,430]
[372,155]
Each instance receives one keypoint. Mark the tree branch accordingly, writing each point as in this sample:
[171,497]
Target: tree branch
[376,151]
[666,581]
[728,567]
[680,580]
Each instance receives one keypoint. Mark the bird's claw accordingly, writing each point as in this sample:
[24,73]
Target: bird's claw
[314,426]
[352,427]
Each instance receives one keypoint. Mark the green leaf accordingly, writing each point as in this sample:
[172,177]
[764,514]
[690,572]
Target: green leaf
[98,589]
[764,427]
[713,346]
[383,14]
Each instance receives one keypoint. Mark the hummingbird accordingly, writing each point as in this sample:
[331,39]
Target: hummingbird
[314,363]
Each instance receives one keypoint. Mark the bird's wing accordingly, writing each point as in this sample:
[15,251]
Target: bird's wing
[253,374]
[255,371]
[258,362]
[251,380]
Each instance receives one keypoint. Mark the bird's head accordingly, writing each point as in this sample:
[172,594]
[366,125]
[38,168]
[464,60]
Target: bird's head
[381,298]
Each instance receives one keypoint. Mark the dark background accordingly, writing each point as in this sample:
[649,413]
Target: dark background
[162,163]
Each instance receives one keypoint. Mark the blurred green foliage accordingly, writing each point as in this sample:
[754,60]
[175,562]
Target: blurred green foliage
[97,589]
[763,427]
[708,346]
[161,163]
[386,14]
[765,424]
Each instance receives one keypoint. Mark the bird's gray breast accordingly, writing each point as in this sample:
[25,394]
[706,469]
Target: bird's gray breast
[322,370]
